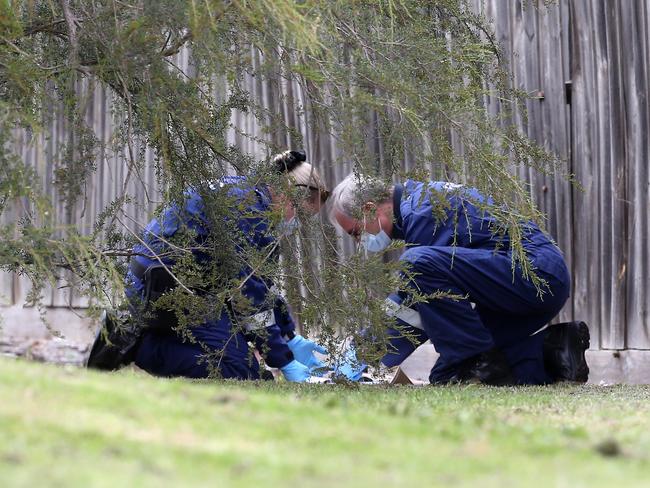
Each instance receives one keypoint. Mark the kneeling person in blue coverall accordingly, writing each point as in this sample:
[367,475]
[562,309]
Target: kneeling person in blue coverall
[157,345]
[493,335]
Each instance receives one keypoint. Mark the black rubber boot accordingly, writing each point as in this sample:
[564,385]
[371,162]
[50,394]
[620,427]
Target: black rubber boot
[564,351]
[490,368]
[115,344]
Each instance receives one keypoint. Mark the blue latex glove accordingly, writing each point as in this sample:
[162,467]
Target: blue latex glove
[303,350]
[349,366]
[295,371]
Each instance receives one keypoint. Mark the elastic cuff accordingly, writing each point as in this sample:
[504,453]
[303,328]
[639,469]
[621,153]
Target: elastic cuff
[282,365]
[290,335]
[260,321]
[408,315]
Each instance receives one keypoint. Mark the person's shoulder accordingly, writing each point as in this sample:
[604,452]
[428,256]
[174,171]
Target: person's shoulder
[445,186]
[422,188]
[237,187]
[234,185]
[441,186]
[254,197]
[411,186]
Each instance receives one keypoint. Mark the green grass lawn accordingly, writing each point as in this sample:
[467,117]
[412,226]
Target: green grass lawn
[71,427]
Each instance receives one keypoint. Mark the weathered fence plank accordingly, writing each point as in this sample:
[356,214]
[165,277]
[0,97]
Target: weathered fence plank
[635,66]
[586,209]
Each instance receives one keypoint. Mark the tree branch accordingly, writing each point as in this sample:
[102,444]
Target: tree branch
[71,22]
[177,45]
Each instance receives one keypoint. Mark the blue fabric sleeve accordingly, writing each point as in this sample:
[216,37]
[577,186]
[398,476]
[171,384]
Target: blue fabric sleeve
[272,346]
[262,298]
[283,317]
[269,341]
[254,228]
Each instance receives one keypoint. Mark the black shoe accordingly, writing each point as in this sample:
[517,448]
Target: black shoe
[115,343]
[490,368]
[564,351]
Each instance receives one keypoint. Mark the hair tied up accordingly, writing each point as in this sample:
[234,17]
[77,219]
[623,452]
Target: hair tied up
[287,161]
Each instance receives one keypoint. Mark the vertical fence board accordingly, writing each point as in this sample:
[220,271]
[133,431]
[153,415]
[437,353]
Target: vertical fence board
[586,210]
[634,42]
[556,190]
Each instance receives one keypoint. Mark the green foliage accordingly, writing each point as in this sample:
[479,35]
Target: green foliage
[389,78]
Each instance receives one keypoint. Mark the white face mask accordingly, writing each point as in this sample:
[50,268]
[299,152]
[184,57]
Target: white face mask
[375,242]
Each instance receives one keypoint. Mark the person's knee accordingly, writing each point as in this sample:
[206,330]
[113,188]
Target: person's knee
[427,268]
[147,356]
[411,256]
[426,259]
[240,370]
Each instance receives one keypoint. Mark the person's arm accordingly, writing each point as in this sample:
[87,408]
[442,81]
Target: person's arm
[263,331]
[259,321]
[277,353]
[271,324]
[276,325]
[404,337]
[283,318]
[406,334]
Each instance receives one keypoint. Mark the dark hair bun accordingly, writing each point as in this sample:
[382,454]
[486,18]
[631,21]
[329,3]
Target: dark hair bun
[289,160]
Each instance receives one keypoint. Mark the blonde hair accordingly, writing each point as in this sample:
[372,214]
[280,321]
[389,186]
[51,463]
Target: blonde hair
[294,165]
[307,175]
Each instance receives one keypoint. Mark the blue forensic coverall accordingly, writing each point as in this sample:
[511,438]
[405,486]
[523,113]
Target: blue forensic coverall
[458,252]
[166,353]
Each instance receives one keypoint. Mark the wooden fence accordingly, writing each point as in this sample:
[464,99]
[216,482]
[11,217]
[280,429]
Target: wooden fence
[588,65]
[588,62]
